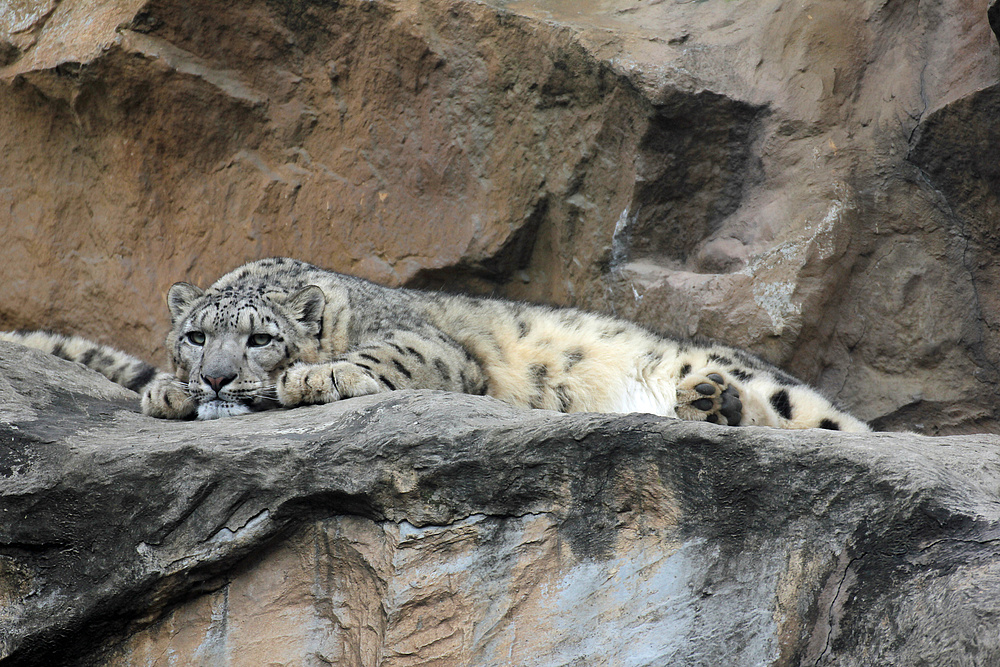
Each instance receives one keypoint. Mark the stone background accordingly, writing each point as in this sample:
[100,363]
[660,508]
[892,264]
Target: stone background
[815,181]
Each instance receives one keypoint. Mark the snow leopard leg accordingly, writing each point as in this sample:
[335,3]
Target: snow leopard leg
[714,394]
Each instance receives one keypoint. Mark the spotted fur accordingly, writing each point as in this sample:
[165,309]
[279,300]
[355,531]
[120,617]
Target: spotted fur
[279,332]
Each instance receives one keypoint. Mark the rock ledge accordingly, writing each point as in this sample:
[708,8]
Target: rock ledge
[430,527]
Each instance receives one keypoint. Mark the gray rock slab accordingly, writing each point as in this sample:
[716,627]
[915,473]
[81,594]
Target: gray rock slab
[808,547]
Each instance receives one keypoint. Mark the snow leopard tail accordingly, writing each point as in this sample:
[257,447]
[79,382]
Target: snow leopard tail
[119,367]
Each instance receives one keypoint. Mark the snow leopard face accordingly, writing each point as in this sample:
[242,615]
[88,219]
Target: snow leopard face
[230,346]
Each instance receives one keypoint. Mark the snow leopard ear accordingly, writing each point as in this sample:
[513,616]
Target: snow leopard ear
[180,297]
[307,306]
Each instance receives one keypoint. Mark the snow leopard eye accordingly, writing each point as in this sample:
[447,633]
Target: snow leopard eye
[259,340]
[196,338]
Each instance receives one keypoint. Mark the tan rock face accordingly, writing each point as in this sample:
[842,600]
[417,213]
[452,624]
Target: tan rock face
[816,182]
[379,139]
[483,591]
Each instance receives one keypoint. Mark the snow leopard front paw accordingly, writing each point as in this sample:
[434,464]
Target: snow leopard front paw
[706,395]
[307,384]
[166,397]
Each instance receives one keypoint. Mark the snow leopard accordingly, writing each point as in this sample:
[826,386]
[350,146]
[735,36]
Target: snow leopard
[281,333]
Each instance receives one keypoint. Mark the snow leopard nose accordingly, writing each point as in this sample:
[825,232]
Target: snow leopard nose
[218,383]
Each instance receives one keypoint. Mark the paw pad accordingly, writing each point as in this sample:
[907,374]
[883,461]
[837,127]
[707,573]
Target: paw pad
[709,397]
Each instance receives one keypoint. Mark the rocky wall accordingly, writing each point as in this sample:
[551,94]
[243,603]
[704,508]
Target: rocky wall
[814,181]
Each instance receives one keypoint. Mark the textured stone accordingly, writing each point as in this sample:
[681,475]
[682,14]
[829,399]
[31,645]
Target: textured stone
[993,13]
[433,528]
[814,181]
[376,138]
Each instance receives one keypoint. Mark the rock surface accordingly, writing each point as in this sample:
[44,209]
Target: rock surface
[816,181]
[432,528]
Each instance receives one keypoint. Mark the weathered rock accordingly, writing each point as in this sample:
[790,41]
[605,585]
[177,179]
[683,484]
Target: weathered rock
[432,528]
[815,181]
[994,16]
[385,139]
